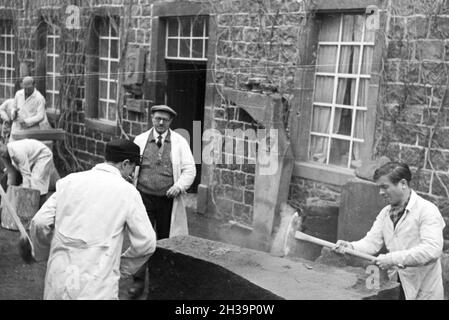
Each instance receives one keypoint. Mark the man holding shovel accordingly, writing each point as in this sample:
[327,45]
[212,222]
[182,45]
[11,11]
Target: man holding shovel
[81,229]
[411,228]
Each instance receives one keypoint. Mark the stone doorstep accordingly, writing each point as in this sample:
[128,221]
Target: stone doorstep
[297,279]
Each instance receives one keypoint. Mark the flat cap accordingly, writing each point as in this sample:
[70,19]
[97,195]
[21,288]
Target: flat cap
[163,108]
[122,149]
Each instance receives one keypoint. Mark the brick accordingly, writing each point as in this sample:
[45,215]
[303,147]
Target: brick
[91,146]
[239,179]
[433,73]
[227,177]
[439,159]
[399,50]
[101,148]
[417,27]
[413,156]
[421,180]
[234,194]
[397,28]
[249,198]
[429,50]
[437,188]
[440,28]
[250,182]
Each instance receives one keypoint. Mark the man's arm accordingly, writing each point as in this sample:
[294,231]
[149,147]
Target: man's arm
[430,246]
[141,236]
[41,228]
[374,240]
[188,169]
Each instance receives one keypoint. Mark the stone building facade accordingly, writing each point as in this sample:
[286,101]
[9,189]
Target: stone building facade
[228,60]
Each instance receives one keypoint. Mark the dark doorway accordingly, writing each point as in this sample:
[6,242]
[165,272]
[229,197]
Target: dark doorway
[186,87]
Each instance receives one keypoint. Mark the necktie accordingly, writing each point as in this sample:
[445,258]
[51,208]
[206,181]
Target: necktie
[159,141]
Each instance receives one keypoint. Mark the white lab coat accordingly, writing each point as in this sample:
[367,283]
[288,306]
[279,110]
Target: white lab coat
[34,160]
[32,110]
[416,243]
[184,172]
[85,220]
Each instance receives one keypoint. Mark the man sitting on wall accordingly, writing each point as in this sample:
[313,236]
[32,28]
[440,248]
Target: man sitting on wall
[411,229]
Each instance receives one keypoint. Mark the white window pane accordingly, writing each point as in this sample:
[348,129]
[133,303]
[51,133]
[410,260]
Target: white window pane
[205,49]
[58,64]
[113,71]
[184,50]
[318,149]
[198,26]
[103,68]
[172,48]
[330,27]
[50,45]
[113,91]
[360,124]
[2,60]
[339,153]
[103,90]
[324,88]
[104,49]
[101,109]
[321,119]
[363,93]
[356,159]
[342,121]
[367,60]
[111,112]
[349,59]
[346,91]
[115,27]
[114,49]
[327,56]
[197,50]
[352,28]
[49,65]
[185,26]
[172,27]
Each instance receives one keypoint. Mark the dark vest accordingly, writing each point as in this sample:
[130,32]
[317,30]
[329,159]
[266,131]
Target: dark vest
[156,171]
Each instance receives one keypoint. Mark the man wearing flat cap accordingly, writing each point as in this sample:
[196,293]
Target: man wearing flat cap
[167,171]
[81,229]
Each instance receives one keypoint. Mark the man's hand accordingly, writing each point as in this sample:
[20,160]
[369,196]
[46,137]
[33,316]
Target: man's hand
[384,261]
[341,246]
[173,192]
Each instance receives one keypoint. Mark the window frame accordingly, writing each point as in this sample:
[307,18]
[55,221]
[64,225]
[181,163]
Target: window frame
[92,67]
[304,99]
[4,85]
[54,56]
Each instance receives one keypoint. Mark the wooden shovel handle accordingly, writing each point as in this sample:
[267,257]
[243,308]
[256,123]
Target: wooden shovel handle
[302,236]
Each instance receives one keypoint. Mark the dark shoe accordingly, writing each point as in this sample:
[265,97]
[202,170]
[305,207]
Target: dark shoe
[136,290]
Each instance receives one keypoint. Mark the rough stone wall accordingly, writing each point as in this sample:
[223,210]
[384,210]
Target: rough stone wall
[257,50]
[412,124]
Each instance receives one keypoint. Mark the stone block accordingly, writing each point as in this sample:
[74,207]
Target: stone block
[182,268]
[360,204]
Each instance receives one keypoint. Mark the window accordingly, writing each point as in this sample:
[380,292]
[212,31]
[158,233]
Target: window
[6,60]
[186,38]
[53,67]
[343,67]
[108,71]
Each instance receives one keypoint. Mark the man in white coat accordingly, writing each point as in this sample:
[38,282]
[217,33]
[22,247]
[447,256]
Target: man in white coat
[28,111]
[167,171]
[411,228]
[81,229]
[33,160]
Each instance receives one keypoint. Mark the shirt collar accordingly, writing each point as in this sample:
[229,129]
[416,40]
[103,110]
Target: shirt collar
[165,135]
[108,168]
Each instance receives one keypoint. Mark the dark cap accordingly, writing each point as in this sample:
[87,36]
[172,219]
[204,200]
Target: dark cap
[164,108]
[122,149]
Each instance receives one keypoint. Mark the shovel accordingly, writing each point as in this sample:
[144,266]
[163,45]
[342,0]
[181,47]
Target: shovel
[25,246]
